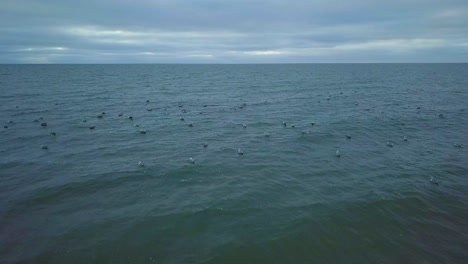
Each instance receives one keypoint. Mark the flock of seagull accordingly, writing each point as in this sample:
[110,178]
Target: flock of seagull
[205,144]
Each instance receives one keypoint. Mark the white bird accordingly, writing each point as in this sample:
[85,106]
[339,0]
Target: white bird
[182,119]
[205,144]
[284,123]
[434,181]
[390,144]
[142,131]
[266,134]
[244,125]
[141,164]
[337,153]
[240,152]
[192,160]
[405,138]
[348,136]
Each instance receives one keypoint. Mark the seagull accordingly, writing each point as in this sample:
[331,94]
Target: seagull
[130,117]
[190,125]
[457,145]
[182,119]
[92,127]
[337,153]
[44,124]
[266,134]
[240,152]
[434,181]
[137,125]
[99,116]
[120,115]
[184,111]
[205,144]
[348,136]
[10,122]
[5,126]
[141,164]
[313,123]
[83,120]
[192,160]
[147,101]
[244,125]
[103,113]
[45,147]
[405,138]
[284,123]
[142,131]
[390,144]
[441,115]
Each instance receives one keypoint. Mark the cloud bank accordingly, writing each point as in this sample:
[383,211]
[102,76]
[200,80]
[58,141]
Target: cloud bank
[228,31]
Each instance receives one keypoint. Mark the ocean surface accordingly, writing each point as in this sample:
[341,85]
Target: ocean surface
[398,192]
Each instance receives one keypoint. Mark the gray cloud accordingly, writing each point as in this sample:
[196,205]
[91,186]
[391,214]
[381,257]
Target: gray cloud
[242,31]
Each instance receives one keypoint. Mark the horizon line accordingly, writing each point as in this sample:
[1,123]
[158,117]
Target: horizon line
[222,63]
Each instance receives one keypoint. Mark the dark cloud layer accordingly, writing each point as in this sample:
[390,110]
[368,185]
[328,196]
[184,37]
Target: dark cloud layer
[225,31]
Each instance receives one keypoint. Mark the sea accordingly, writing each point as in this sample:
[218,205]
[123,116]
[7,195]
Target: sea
[255,163]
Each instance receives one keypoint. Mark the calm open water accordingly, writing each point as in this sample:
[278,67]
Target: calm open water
[288,199]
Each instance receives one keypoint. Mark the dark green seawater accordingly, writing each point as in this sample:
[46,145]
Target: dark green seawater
[288,199]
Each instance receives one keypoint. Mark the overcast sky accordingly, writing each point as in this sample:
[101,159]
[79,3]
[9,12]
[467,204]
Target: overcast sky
[233,31]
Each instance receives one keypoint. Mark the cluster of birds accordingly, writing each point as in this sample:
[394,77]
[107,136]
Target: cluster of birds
[205,144]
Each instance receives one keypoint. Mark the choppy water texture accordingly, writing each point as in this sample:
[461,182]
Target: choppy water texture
[288,199]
